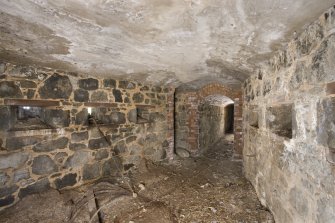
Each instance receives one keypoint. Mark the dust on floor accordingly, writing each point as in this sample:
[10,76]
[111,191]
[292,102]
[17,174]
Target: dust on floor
[209,188]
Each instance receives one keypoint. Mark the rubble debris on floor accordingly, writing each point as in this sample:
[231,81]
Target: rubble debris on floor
[208,188]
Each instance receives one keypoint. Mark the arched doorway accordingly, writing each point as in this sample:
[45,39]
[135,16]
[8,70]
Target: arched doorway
[186,116]
[216,119]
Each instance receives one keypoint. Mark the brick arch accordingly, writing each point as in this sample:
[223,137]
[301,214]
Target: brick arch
[187,116]
[216,89]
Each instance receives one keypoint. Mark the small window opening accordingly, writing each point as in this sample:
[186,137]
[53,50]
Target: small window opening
[33,118]
[30,118]
[279,120]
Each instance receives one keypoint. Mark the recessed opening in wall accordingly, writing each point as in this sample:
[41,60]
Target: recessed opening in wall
[33,118]
[30,118]
[35,114]
[216,120]
[253,117]
[279,119]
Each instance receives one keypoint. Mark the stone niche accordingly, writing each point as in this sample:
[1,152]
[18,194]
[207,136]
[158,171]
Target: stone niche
[106,115]
[253,117]
[326,126]
[279,119]
[21,115]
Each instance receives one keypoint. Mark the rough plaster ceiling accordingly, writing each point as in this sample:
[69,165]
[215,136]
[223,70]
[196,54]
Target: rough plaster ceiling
[218,100]
[162,41]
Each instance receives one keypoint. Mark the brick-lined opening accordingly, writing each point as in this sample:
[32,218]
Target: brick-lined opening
[187,116]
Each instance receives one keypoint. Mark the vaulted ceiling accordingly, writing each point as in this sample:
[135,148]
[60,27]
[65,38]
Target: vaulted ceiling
[161,41]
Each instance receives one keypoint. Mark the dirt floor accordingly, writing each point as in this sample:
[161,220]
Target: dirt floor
[210,188]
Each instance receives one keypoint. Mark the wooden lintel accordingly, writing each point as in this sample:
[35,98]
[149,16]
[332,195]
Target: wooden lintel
[100,104]
[32,103]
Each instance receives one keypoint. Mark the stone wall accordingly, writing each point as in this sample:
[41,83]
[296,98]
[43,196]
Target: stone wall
[211,124]
[69,150]
[187,103]
[214,122]
[289,127]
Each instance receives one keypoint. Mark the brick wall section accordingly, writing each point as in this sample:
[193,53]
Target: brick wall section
[170,123]
[187,116]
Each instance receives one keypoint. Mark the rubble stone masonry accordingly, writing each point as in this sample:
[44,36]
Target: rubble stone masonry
[69,150]
[289,127]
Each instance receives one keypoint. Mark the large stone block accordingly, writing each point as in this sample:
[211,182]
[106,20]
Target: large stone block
[89,84]
[7,201]
[8,89]
[25,72]
[91,171]
[112,167]
[37,187]
[50,145]
[81,95]
[77,146]
[98,143]
[56,87]
[15,143]
[79,158]
[101,154]
[117,95]
[13,160]
[109,83]
[79,136]
[5,191]
[27,84]
[99,96]
[66,181]
[21,175]
[43,165]
[120,148]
